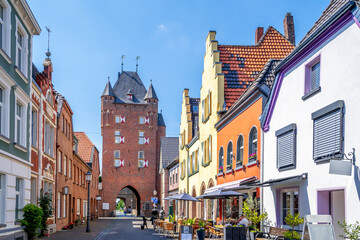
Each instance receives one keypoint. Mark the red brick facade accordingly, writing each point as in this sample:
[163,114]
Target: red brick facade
[141,180]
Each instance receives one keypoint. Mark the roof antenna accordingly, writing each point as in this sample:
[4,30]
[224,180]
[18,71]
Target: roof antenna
[137,61]
[122,62]
[48,53]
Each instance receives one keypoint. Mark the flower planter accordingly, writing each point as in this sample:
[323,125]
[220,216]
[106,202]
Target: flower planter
[200,234]
[228,234]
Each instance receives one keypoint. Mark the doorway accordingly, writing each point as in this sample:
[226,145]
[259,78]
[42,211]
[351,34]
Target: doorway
[332,202]
[131,199]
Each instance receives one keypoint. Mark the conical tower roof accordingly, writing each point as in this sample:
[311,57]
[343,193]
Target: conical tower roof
[151,93]
[108,91]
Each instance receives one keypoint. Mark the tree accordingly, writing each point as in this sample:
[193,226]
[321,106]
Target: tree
[45,203]
[32,219]
[120,205]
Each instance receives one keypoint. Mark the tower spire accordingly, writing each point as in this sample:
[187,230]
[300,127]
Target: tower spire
[48,53]
[137,61]
[122,62]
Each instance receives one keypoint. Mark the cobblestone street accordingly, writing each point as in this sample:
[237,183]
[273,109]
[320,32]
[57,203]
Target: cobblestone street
[104,229]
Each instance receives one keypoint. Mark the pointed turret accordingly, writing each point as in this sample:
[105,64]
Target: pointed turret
[108,91]
[151,93]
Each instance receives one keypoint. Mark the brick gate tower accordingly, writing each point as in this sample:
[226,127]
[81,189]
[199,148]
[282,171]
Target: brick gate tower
[131,129]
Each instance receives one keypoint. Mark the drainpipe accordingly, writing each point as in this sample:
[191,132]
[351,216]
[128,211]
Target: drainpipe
[262,174]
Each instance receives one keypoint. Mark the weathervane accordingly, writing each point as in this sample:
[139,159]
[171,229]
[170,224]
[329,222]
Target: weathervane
[137,61]
[122,62]
[48,54]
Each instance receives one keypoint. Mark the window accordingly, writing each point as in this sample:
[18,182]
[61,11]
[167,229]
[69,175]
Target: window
[221,159]
[206,151]
[2,198]
[141,138]
[182,139]
[206,107]
[117,119]
[328,131]
[48,188]
[33,192]
[21,49]
[289,203]
[19,123]
[34,123]
[195,109]
[117,133]
[59,161]
[58,205]
[5,33]
[19,188]
[49,97]
[63,124]
[49,139]
[78,207]
[312,77]
[142,120]
[70,165]
[117,158]
[286,147]
[253,145]
[141,155]
[117,136]
[240,151]
[141,163]
[64,206]
[65,161]
[85,203]
[229,156]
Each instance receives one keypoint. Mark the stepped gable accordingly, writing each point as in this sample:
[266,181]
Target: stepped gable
[242,64]
[129,81]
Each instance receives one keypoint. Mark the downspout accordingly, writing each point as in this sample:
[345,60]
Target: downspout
[262,174]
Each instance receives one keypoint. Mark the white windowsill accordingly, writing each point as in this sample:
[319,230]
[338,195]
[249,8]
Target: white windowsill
[20,147]
[21,75]
[4,54]
[5,139]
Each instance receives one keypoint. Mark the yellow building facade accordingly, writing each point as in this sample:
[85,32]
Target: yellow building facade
[197,153]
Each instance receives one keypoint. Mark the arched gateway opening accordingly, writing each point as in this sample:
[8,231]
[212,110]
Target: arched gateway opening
[131,199]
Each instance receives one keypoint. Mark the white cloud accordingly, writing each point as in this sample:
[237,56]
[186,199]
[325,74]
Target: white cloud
[162,27]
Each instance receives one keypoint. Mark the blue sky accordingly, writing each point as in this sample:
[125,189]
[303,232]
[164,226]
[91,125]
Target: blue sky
[89,37]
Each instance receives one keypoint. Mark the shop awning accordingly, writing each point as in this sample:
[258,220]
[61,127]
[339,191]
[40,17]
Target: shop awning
[231,185]
[273,182]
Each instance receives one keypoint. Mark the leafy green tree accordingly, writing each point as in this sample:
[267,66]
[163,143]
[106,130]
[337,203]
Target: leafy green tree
[45,203]
[32,219]
[120,205]
[292,221]
[251,211]
[351,231]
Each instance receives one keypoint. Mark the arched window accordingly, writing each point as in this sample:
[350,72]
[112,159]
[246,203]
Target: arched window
[253,144]
[49,97]
[221,160]
[240,151]
[229,156]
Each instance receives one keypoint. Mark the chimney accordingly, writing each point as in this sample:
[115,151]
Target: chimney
[258,34]
[289,28]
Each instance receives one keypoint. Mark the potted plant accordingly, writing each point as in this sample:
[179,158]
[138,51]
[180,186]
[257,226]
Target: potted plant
[32,220]
[77,222]
[351,231]
[293,221]
[221,170]
[201,231]
[250,210]
[229,167]
[252,156]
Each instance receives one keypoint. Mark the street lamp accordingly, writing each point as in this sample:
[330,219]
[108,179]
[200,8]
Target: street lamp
[88,180]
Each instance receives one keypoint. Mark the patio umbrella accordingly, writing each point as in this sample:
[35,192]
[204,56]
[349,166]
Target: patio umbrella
[221,194]
[182,197]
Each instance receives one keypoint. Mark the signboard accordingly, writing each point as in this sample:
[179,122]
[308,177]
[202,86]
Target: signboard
[98,198]
[154,199]
[186,233]
[105,206]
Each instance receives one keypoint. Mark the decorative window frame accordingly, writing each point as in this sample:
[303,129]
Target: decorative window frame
[5,49]
[229,154]
[308,92]
[251,142]
[23,99]
[221,160]
[25,51]
[6,83]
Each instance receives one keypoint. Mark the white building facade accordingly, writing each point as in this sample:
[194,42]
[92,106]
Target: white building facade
[310,123]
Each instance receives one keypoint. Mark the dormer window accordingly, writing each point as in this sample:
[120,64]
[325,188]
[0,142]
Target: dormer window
[129,95]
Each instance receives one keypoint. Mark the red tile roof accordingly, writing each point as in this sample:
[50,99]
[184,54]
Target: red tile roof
[84,146]
[242,64]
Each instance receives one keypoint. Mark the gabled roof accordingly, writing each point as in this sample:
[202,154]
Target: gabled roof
[85,147]
[242,64]
[332,8]
[161,121]
[108,91]
[169,149]
[151,92]
[129,81]
[266,77]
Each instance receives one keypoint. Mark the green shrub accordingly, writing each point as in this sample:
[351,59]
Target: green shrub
[351,231]
[293,221]
[32,219]
[292,235]
[45,203]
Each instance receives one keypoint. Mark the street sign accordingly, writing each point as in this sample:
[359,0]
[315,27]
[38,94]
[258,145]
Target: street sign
[154,199]
[105,206]
[98,198]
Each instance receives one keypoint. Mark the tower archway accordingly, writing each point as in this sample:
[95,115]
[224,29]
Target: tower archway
[132,198]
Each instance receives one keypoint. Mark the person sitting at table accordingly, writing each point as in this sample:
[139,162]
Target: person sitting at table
[243,221]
